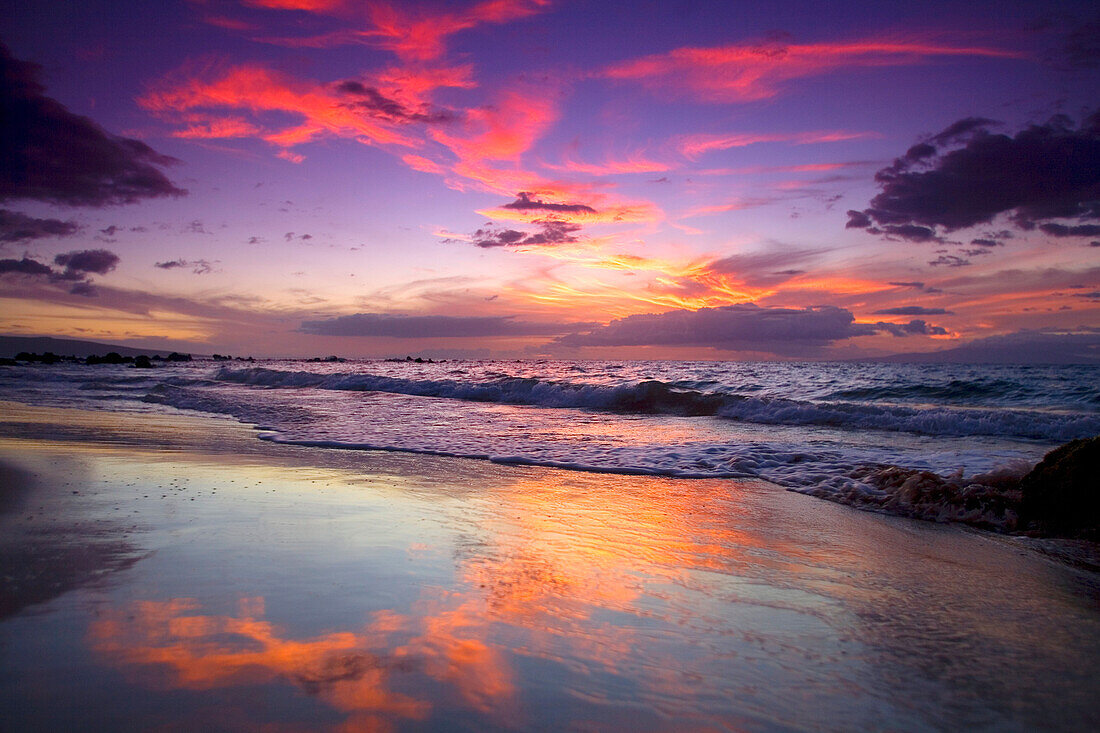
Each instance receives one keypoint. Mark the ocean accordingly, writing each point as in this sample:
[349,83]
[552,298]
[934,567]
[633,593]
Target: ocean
[810,427]
[161,567]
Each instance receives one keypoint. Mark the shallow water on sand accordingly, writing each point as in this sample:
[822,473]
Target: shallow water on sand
[230,584]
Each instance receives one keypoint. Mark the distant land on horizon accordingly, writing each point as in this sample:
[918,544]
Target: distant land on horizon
[12,345]
[1045,349]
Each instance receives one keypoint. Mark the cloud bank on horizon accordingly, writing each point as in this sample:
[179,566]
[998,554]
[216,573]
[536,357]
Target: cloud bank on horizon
[524,177]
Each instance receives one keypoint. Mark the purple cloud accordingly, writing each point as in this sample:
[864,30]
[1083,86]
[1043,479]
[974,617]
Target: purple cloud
[524,202]
[99,261]
[47,153]
[1044,172]
[911,310]
[550,233]
[16,227]
[373,102]
[199,267]
[741,327]
[390,325]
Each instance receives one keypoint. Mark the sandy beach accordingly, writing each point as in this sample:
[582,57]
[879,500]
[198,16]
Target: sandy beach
[177,573]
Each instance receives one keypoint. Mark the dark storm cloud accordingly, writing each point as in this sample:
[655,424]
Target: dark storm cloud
[16,227]
[911,310]
[403,326]
[1047,171]
[99,261]
[524,202]
[550,233]
[372,101]
[47,153]
[741,327]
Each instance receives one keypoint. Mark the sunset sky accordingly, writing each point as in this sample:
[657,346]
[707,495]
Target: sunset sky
[527,178]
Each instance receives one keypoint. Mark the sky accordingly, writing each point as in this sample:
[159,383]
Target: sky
[553,178]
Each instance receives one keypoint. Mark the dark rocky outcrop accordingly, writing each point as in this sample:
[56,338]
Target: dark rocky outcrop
[111,358]
[1061,495]
[142,362]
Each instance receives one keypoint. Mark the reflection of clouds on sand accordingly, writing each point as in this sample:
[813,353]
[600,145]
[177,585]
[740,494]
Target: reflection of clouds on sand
[201,652]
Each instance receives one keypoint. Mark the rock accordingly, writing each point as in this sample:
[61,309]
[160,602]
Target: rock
[1061,495]
[111,358]
[142,362]
[178,357]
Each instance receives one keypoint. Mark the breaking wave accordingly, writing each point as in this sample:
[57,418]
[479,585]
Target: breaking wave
[657,397]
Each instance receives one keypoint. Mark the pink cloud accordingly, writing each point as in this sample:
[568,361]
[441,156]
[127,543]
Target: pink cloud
[413,34]
[749,72]
[692,146]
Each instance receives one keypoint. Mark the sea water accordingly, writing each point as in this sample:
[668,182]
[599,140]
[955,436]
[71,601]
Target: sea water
[812,427]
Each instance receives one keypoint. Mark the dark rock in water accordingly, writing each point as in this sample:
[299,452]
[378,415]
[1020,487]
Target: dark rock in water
[1061,495]
[112,358]
[178,357]
[47,358]
[142,362]
[5,361]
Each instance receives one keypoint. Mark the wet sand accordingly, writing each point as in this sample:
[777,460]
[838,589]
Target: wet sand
[180,574]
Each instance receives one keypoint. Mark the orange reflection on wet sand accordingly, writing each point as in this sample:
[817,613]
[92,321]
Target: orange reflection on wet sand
[551,560]
[201,652]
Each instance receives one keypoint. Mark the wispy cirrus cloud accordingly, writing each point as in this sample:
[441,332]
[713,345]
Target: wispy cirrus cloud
[751,72]
[610,167]
[412,33]
[693,146]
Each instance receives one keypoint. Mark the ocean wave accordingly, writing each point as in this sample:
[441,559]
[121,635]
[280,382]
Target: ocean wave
[955,390]
[656,397]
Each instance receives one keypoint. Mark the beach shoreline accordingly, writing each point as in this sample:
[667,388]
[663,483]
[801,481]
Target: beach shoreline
[368,589]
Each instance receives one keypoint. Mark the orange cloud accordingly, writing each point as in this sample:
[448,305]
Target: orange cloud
[744,73]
